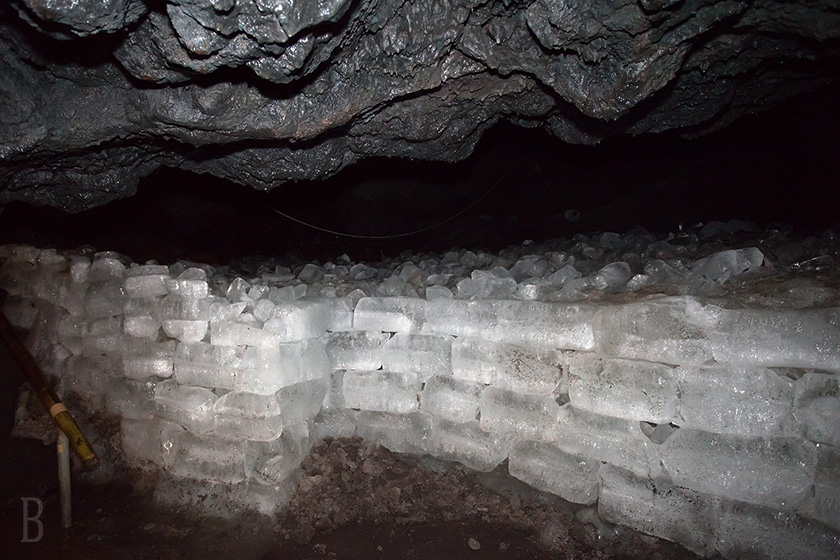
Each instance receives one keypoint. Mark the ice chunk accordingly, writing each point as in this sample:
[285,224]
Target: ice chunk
[248,416]
[748,531]
[531,266]
[308,318]
[188,288]
[263,310]
[394,287]
[147,270]
[141,327]
[485,285]
[547,468]
[383,391]
[438,292]
[455,400]
[673,330]
[776,472]
[50,258]
[340,313]
[80,268]
[185,331]
[806,338]
[143,282]
[613,276]
[300,402]
[612,440]
[735,400]
[104,338]
[284,364]
[355,349]
[106,269]
[563,275]
[144,359]
[205,365]
[468,444]
[21,312]
[311,273]
[721,266]
[361,271]
[401,433]
[220,310]
[85,374]
[817,407]
[104,300]
[237,290]
[629,389]
[275,461]
[335,422]
[393,314]
[148,440]
[519,416]
[527,323]
[129,398]
[425,355]
[207,458]
[192,407]
[659,508]
[226,333]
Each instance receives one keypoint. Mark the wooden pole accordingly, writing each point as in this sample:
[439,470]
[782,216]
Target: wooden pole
[48,398]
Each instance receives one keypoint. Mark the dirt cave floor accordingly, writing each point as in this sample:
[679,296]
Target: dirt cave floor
[354,501]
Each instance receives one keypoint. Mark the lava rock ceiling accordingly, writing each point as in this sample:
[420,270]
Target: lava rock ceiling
[96,95]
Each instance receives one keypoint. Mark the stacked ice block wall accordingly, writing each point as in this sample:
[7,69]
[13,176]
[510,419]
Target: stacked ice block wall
[715,427]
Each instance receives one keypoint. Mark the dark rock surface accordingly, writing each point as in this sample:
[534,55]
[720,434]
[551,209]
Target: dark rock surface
[95,95]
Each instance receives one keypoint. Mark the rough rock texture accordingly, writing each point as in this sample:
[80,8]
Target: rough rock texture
[96,94]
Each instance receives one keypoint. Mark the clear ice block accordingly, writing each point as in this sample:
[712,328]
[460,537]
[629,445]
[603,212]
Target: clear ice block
[284,364]
[401,433]
[383,391]
[659,508]
[630,389]
[672,330]
[605,438]
[275,461]
[513,415]
[749,401]
[816,407]
[390,314]
[526,323]
[801,338]
[192,407]
[749,531]
[425,355]
[300,402]
[549,469]
[453,399]
[776,472]
[536,371]
[468,444]
[355,349]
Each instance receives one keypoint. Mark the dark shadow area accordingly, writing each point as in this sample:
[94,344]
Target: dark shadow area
[777,167]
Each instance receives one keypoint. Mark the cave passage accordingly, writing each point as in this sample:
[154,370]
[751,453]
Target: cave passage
[778,167]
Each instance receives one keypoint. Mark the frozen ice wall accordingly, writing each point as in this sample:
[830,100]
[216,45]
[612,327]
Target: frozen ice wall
[688,388]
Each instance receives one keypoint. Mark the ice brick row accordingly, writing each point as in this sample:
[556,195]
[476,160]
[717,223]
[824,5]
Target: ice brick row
[686,331]
[527,323]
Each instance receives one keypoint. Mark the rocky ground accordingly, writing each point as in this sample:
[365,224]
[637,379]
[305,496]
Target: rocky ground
[354,500]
